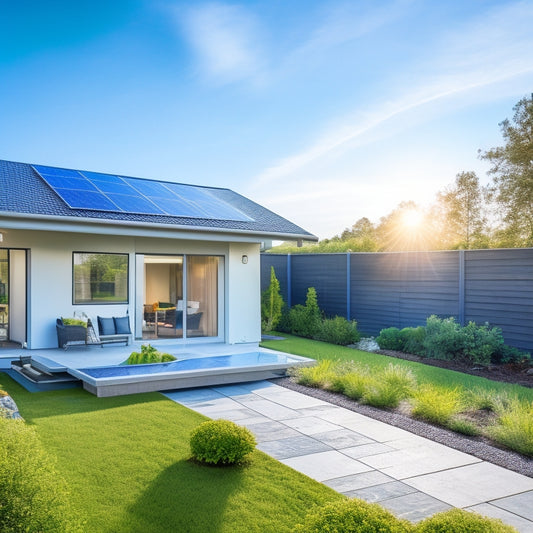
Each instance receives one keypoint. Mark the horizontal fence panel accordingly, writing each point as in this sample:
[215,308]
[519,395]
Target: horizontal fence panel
[403,288]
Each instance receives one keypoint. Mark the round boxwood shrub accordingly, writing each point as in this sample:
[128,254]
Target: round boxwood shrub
[221,442]
[460,521]
[352,516]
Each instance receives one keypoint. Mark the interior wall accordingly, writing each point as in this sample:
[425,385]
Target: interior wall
[17,300]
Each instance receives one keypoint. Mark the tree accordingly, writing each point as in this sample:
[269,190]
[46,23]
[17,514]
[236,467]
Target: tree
[462,210]
[512,172]
[271,304]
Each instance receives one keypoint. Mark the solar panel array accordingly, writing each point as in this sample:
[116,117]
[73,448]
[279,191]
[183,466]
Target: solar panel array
[107,192]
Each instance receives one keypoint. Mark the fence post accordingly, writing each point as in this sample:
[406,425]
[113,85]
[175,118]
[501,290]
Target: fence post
[462,287]
[289,281]
[348,286]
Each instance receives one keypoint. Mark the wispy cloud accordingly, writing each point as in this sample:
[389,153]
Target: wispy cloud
[484,53]
[224,38]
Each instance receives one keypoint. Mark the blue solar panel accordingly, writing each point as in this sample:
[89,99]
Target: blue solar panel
[107,192]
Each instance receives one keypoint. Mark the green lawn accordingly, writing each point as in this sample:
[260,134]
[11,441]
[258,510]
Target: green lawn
[126,461]
[424,373]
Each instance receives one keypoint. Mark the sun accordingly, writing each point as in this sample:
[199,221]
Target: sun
[412,218]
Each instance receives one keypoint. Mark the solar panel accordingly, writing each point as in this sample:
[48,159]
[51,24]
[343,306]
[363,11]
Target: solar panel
[108,192]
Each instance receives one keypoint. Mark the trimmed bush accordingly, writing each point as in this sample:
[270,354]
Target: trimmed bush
[305,320]
[443,338]
[33,497]
[413,340]
[390,339]
[149,354]
[221,442]
[436,404]
[352,516]
[338,330]
[460,521]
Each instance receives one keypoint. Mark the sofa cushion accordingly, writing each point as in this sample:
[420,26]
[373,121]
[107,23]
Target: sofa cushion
[122,325]
[106,326]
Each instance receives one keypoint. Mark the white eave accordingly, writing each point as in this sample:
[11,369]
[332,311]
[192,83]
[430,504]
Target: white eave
[27,221]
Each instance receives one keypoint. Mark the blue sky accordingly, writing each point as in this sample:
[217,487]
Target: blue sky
[324,112]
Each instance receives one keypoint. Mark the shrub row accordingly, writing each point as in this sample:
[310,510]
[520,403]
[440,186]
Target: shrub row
[357,516]
[309,321]
[506,420]
[443,338]
[33,497]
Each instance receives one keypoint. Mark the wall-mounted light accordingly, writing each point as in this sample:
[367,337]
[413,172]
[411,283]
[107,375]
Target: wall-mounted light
[244,259]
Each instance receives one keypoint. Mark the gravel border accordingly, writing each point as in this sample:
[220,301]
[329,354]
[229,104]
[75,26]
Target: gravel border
[476,446]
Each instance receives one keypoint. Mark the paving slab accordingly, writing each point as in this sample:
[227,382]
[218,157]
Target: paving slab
[342,438]
[353,482]
[310,425]
[486,509]
[293,447]
[366,450]
[385,491]
[271,430]
[519,504]
[415,506]
[472,484]
[271,409]
[326,465]
[419,460]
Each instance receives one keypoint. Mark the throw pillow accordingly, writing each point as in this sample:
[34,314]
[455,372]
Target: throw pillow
[122,325]
[106,326]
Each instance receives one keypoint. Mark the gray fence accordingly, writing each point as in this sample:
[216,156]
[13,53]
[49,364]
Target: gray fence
[403,288]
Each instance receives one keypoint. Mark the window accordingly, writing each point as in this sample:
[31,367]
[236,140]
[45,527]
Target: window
[100,278]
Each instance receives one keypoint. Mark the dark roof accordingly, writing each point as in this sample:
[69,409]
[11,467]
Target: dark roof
[24,192]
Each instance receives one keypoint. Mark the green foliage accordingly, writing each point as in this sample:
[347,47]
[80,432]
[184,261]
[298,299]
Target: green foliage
[305,320]
[436,404]
[33,497]
[338,330]
[413,340]
[271,304]
[355,385]
[514,426]
[149,354]
[390,339]
[461,521]
[396,383]
[463,426]
[221,442]
[74,322]
[352,516]
[512,171]
[443,338]
[319,375]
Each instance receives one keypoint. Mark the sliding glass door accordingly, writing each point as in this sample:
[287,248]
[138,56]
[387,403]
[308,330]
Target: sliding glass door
[182,296]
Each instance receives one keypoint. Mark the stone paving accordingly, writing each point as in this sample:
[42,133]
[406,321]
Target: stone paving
[360,457]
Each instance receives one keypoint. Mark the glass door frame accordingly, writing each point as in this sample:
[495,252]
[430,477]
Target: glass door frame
[140,296]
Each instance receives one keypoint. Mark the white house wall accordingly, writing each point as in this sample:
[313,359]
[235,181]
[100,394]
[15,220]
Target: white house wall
[50,272]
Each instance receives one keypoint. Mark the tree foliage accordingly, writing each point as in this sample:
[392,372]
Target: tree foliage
[271,304]
[512,173]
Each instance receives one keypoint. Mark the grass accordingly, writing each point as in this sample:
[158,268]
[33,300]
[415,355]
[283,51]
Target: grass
[470,405]
[126,463]
[423,373]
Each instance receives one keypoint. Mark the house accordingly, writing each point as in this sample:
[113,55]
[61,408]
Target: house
[181,261]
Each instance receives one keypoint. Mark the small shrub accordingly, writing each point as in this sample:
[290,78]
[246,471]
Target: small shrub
[33,497]
[514,426]
[395,384]
[221,442]
[149,354]
[436,404]
[443,338]
[481,343]
[74,322]
[390,339]
[305,320]
[413,340]
[352,516]
[461,521]
[338,330]
[509,354]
